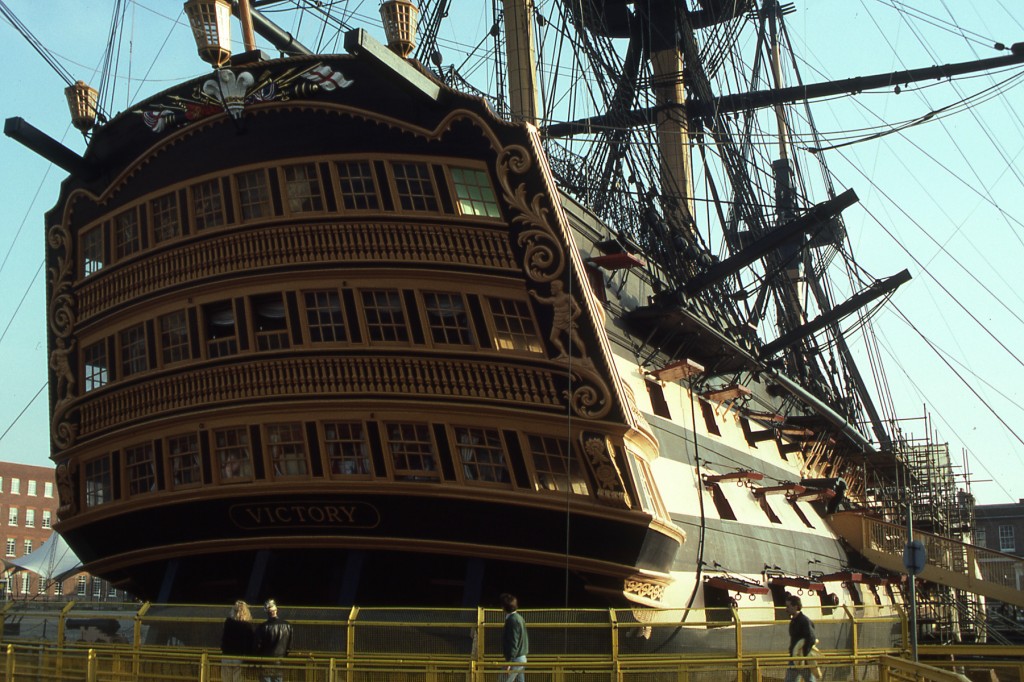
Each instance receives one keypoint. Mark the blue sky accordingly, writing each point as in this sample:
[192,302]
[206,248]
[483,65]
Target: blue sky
[944,199]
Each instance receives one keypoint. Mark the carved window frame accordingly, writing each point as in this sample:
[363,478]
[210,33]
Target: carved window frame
[384,316]
[93,249]
[414,186]
[287,448]
[207,204]
[127,233]
[357,186]
[97,481]
[175,338]
[232,451]
[512,326]
[473,192]
[555,466]
[133,349]
[412,453]
[346,449]
[95,366]
[252,192]
[165,216]
[302,188]
[324,314]
[481,456]
[446,318]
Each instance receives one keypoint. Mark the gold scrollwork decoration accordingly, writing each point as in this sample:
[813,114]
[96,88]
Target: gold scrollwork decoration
[543,259]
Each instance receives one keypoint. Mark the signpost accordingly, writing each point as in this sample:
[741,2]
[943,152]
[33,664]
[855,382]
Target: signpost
[914,559]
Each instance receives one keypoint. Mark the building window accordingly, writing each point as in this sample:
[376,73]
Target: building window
[164,214]
[174,341]
[46,519]
[97,587]
[324,318]
[32,488]
[253,194]
[94,359]
[30,518]
[81,585]
[111,590]
[385,317]
[221,339]
[513,326]
[15,486]
[134,358]
[139,467]
[27,547]
[93,259]
[270,322]
[58,588]
[183,454]
[482,454]
[447,318]
[412,452]
[302,187]
[207,204]
[474,194]
[12,516]
[415,187]
[979,537]
[11,547]
[26,580]
[358,186]
[47,489]
[1006,541]
[556,467]
[126,234]
[231,447]
[346,449]
[98,482]
[287,449]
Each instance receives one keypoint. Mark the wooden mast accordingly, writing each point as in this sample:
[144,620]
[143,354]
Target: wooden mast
[522,59]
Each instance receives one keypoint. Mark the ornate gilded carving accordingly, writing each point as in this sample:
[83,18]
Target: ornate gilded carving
[566,312]
[600,459]
[61,319]
[644,589]
[66,471]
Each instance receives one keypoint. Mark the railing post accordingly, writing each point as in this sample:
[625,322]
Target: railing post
[613,620]
[739,630]
[90,666]
[350,643]
[204,667]
[9,664]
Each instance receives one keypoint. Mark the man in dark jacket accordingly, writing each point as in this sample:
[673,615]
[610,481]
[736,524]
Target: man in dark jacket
[515,642]
[273,639]
[801,639]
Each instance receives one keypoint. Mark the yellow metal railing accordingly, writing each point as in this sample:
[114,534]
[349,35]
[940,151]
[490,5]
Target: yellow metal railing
[113,664]
[950,562]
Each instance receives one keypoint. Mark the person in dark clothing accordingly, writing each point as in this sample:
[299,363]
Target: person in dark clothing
[515,642]
[273,640]
[801,639]
[236,640]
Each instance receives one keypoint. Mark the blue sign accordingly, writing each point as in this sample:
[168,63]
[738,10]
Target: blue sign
[915,557]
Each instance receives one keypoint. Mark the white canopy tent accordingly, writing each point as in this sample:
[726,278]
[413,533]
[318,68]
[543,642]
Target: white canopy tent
[53,560]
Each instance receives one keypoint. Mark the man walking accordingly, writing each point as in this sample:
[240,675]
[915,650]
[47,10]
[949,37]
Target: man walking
[514,640]
[273,639]
[801,639]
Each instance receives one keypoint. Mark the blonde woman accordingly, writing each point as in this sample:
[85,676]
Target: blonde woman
[237,639]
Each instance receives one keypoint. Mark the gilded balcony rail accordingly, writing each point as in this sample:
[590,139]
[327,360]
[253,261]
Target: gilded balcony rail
[950,562]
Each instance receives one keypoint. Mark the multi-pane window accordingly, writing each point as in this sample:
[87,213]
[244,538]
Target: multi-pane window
[302,188]
[221,339]
[287,449]
[47,489]
[46,519]
[447,318]
[415,186]
[346,449]
[231,448]
[126,233]
[207,204]
[979,537]
[253,194]
[27,549]
[358,185]
[474,194]
[99,488]
[11,547]
[385,317]
[183,456]
[139,467]
[482,454]
[270,322]
[15,486]
[134,358]
[164,214]
[1006,539]
[32,488]
[82,582]
[412,452]
[513,326]
[93,258]
[26,580]
[174,341]
[555,465]
[324,318]
[58,588]
[94,360]
[12,516]
[97,587]
[30,518]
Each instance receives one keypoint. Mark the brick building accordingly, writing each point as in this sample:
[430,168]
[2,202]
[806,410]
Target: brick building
[28,510]
[1000,527]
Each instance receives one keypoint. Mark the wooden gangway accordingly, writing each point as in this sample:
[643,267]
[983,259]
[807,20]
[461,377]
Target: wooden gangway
[950,562]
